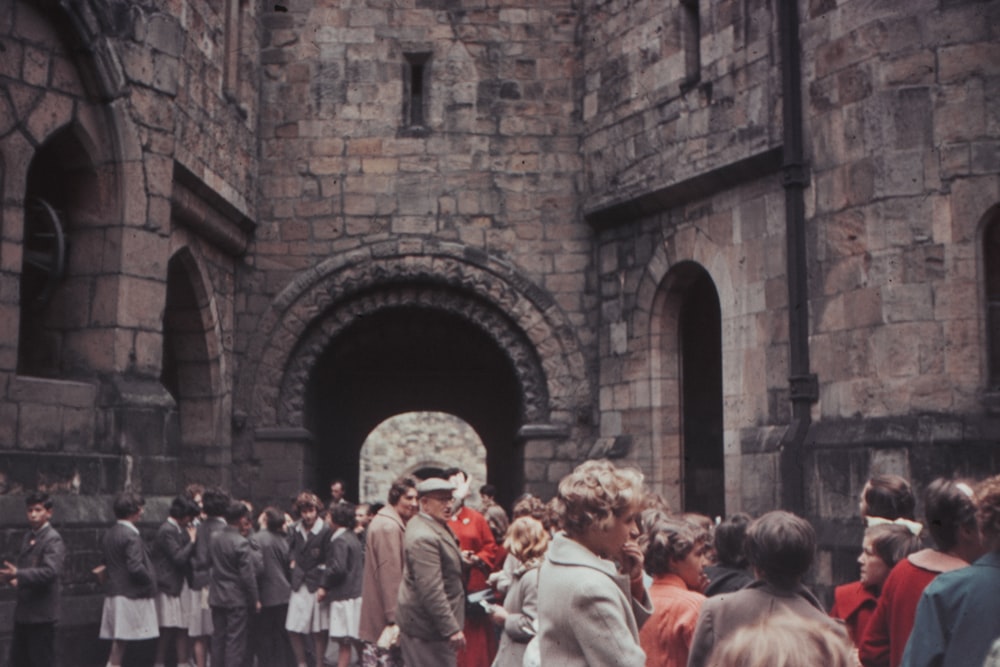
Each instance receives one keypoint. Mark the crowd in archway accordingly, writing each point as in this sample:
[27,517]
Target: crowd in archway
[604,573]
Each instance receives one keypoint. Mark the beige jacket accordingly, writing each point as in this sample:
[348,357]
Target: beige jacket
[383,573]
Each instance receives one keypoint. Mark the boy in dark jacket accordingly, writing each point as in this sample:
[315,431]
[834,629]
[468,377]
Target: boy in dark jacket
[233,590]
[35,575]
[172,550]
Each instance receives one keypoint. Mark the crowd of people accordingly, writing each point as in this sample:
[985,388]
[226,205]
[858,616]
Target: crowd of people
[603,574]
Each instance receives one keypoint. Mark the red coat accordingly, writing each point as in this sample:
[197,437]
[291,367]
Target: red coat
[854,604]
[884,640]
[473,533]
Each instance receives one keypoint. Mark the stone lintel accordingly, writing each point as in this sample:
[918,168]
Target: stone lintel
[198,207]
[543,432]
[606,215]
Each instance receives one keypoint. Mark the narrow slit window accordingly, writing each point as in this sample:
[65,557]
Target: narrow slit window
[415,82]
[691,36]
[991,255]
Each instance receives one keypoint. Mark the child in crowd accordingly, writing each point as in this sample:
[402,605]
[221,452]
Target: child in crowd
[35,575]
[233,594]
[951,521]
[884,545]
[731,572]
[675,558]
[526,542]
[308,551]
[781,548]
[269,639]
[214,504]
[784,640]
[173,547]
[129,612]
[342,581]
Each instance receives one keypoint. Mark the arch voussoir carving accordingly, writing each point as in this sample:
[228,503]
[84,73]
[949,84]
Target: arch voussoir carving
[320,303]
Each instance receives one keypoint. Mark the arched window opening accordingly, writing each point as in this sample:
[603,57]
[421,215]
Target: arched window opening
[700,334]
[422,444]
[62,252]
[187,366]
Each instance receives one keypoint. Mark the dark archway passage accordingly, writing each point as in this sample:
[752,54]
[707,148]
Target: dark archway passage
[701,379]
[413,358]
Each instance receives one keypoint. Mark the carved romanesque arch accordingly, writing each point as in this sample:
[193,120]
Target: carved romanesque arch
[521,319]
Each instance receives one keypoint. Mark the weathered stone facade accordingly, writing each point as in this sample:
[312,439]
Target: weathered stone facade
[748,246]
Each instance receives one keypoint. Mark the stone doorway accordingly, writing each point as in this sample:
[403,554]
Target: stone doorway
[411,358]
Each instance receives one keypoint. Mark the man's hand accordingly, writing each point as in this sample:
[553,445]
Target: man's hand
[257,607]
[8,571]
[457,641]
[320,594]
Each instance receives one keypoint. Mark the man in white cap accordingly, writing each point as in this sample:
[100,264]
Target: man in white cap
[431,605]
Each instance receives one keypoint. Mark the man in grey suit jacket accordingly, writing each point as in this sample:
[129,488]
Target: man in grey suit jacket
[35,575]
[233,590]
[431,605]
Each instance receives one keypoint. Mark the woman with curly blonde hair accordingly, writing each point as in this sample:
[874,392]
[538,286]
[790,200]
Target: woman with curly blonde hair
[527,540]
[591,601]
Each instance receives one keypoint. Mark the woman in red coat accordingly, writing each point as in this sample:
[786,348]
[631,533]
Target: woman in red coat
[884,546]
[480,554]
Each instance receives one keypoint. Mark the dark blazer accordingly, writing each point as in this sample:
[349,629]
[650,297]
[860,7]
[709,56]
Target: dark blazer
[234,581]
[172,550]
[344,567]
[273,579]
[129,567]
[431,602]
[39,564]
[201,558]
[308,557]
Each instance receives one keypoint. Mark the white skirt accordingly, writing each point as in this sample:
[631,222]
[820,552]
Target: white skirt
[306,615]
[199,614]
[126,619]
[170,611]
[345,618]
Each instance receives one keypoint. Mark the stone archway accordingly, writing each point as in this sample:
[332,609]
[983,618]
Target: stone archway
[532,350]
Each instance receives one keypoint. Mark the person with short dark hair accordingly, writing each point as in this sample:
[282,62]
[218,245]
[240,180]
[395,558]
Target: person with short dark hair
[308,548]
[958,615]
[383,571]
[730,572]
[214,502]
[269,639]
[129,612]
[780,548]
[341,587]
[173,547]
[950,515]
[233,593]
[887,497]
[337,490]
[35,575]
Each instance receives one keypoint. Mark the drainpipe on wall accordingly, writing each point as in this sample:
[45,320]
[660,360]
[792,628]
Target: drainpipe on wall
[803,385]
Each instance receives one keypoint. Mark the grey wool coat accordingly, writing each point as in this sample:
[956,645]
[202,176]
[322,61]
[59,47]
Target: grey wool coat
[586,612]
[521,604]
[431,603]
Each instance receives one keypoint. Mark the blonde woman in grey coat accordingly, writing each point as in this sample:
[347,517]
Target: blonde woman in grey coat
[591,599]
[527,540]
